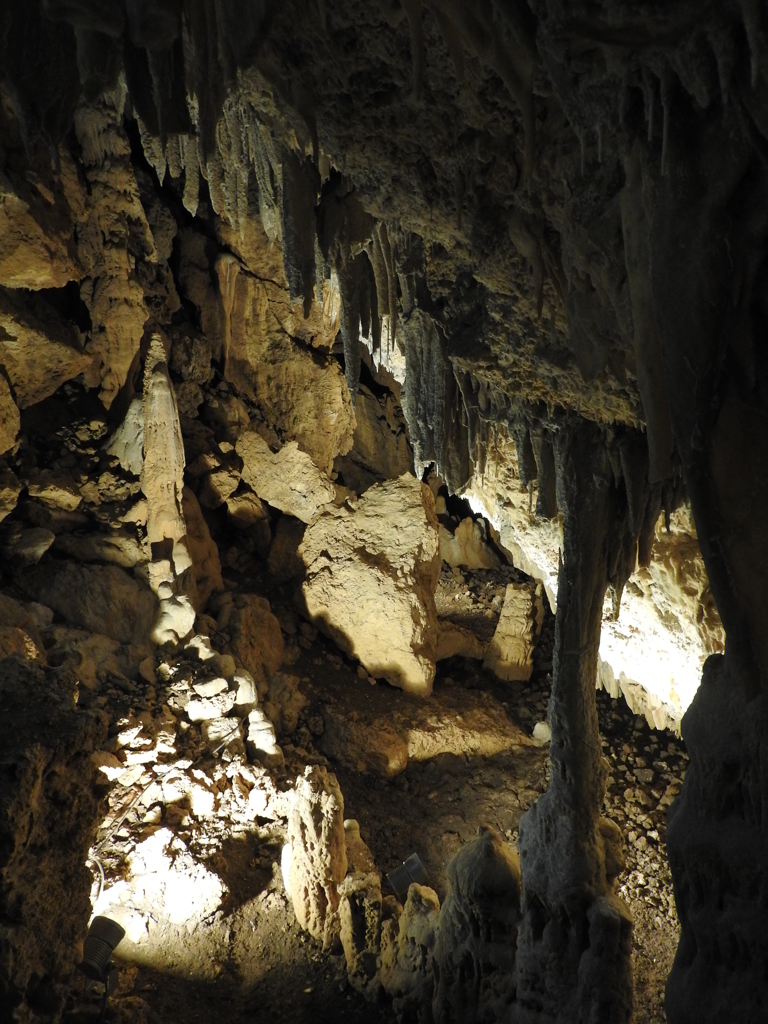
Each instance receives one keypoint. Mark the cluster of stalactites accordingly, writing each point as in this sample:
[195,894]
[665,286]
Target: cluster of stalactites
[705,69]
[627,470]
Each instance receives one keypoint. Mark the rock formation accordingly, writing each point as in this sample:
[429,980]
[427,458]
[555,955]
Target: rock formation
[315,856]
[49,818]
[538,228]
[371,578]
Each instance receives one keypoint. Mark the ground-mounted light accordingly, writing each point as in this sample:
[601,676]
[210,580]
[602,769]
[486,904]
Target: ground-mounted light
[104,936]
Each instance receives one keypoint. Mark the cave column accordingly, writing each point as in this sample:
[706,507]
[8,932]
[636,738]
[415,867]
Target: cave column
[574,942]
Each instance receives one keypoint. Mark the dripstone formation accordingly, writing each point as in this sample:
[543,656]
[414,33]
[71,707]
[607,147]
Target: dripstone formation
[304,272]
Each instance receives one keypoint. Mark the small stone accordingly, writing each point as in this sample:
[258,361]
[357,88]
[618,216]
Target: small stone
[211,687]
[542,734]
[362,674]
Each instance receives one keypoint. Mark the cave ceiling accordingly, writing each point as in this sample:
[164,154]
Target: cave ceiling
[492,139]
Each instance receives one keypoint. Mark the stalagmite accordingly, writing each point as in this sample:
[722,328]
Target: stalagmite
[573,952]
[162,481]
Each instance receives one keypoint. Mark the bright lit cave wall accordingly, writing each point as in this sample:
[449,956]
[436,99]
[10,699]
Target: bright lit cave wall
[383,456]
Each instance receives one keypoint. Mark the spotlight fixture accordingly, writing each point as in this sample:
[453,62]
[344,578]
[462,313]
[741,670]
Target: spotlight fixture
[102,939]
[411,870]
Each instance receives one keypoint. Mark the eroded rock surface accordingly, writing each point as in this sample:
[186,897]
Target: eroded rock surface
[315,858]
[287,479]
[49,817]
[371,579]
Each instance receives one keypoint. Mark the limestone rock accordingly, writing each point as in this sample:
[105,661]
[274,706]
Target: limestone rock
[38,348]
[127,443]
[380,448]
[470,604]
[101,598]
[314,857]
[284,562]
[53,488]
[467,546]
[21,630]
[25,546]
[474,956]
[96,659]
[10,419]
[256,637]
[246,509]
[227,416]
[382,735]
[510,652]
[49,816]
[206,566]
[407,943]
[371,579]
[284,701]
[119,547]
[262,742]
[175,620]
[36,245]
[287,479]
[10,488]
[360,909]
[222,481]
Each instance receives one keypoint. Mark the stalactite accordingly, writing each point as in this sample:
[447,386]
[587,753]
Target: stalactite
[649,91]
[526,460]
[227,268]
[666,100]
[546,501]
[433,404]
[452,41]
[299,193]
[413,10]
[650,373]
[389,263]
[750,12]
[349,272]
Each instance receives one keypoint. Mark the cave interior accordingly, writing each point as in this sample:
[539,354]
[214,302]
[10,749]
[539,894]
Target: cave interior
[383,452]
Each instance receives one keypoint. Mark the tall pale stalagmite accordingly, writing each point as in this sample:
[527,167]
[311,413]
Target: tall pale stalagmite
[162,481]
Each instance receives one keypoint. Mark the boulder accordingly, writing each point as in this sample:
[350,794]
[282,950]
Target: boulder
[54,488]
[490,614]
[510,652]
[284,562]
[100,598]
[25,546]
[314,859]
[38,348]
[120,547]
[256,639]
[371,578]
[96,659]
[287,479]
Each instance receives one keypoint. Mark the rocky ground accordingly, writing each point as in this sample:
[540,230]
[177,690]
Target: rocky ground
[248,958]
